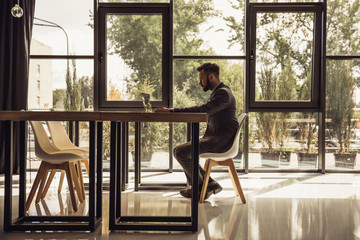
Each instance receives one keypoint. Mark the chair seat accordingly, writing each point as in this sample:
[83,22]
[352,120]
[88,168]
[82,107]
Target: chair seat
[60,157]
[216,156]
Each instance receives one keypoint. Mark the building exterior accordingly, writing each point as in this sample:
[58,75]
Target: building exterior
[40,94]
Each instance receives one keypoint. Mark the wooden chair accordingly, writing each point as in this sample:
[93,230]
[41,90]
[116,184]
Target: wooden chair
[53,159]
[224,159]
[61,140]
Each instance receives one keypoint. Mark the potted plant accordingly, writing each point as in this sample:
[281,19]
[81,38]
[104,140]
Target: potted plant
[341,85]
[307,136]
[282,136]
[266,134]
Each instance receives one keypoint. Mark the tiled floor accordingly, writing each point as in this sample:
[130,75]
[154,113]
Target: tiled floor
[279,206]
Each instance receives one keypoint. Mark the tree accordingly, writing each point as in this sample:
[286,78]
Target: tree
[73,101]
[59,98]
[137,40]
[343,37]
[340,102]
[266,121]
[87,91]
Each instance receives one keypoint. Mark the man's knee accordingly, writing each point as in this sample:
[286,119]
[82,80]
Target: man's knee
[175,152]
[181,151]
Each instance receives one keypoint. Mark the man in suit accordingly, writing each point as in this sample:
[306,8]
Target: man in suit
[221,126]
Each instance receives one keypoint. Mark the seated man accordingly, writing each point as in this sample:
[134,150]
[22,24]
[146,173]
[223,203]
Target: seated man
[221,126]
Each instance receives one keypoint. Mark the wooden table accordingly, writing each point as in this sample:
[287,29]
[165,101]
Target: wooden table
[116,221]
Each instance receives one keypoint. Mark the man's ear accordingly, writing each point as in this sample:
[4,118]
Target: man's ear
[211,76]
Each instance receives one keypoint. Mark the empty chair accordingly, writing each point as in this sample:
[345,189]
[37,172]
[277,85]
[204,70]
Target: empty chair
[61,140]
[53,159]
[224,159]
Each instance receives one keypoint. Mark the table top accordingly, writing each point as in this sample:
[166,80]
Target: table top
[121,116]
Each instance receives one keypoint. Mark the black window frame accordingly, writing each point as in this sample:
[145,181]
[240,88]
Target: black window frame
[163,9]
[318,44]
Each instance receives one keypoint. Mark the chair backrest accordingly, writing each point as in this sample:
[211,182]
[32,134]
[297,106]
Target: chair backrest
[59,136]
[233,151]
[45,150]
[43,146]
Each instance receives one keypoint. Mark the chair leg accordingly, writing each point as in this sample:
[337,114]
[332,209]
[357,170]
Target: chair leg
[81,180]
[48,183]
[86,162]
[42,183]
[39,176]
[235,180]
[75,179]
[70,184]
[61,181]
[207,168]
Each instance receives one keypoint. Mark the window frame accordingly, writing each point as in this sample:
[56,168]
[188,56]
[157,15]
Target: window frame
[316,92]
[162,9]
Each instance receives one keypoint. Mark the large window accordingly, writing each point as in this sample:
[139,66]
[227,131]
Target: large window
[285,46]
[135,54]
[303,98]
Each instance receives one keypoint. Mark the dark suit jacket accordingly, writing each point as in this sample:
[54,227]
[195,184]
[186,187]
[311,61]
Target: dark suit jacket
[222,122]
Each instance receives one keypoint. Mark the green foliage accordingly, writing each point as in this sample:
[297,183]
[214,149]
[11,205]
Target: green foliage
[342,27]
[144,87]
[307,131]
[59,98]
[343,37]
[87,91]
[340,103]
[73,100]
[182,99]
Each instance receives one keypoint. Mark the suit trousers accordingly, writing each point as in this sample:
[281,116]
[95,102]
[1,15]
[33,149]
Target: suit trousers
[182,154]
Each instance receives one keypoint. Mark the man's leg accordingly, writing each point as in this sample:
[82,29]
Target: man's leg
[182,154]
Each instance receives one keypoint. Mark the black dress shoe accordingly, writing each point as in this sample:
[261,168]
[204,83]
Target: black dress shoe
[213,188]
[186,192]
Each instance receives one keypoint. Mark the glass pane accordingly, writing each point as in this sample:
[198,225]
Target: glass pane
[343,27]
[136,1]
[342,114]
[188,92]
[282,1]
[284,45]
[201,28]
[134,57]
[49,88]
[283,140]
[64,27]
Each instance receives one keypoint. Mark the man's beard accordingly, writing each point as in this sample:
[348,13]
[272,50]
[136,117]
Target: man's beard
[207,87]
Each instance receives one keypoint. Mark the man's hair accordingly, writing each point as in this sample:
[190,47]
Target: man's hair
[210,68]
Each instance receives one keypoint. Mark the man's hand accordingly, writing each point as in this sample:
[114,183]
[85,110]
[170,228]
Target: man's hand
[163,109]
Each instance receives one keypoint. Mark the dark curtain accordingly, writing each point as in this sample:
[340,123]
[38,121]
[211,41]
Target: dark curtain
[15,37]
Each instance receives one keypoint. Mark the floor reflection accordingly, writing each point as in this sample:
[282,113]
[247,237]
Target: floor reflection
[57,206]
[279,206]
[219,224]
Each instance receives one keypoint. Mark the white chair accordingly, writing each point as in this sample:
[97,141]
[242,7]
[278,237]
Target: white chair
[224,159]
[61,140]
[53,159]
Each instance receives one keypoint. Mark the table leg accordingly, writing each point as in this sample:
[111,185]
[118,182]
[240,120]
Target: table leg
[113,175]
[99,170]
[195,175]
[9,158]
[22,164]
[137,155]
